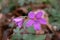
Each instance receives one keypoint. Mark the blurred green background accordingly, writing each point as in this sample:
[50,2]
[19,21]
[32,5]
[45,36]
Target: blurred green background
[54,11]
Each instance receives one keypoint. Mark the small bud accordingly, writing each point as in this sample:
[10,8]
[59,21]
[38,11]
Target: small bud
[55,27]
